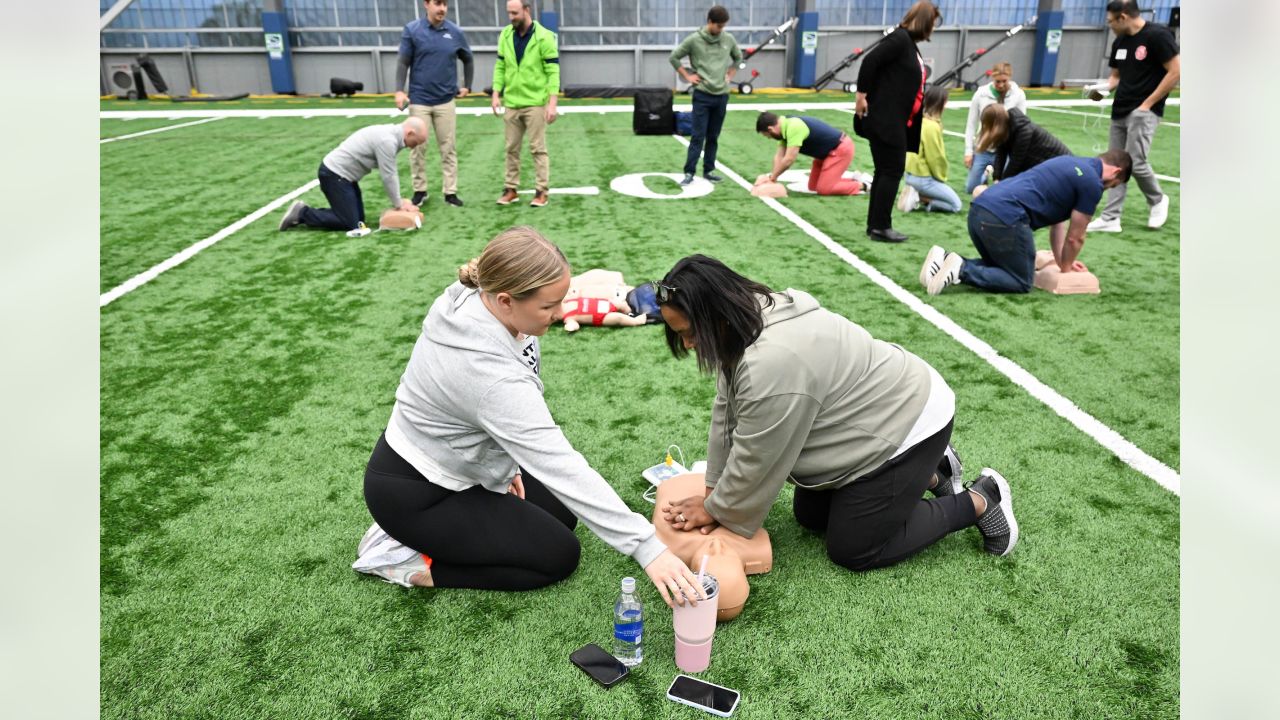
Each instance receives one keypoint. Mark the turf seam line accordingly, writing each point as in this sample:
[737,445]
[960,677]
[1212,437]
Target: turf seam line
[1131,454]
[392,113]
[147,276]
[157,130]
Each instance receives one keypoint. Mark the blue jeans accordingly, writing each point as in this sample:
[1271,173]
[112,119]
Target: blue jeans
[1008,253]
[708,118]
[980,162]
[346,205]
[942,198]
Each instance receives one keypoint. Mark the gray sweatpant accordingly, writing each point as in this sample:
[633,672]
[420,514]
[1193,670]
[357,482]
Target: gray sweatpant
[1134,133]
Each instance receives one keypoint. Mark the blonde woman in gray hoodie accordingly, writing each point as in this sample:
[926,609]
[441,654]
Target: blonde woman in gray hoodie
[472,472]
[860,426]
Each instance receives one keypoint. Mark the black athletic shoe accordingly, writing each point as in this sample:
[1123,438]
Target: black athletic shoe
[949,475]
[886,235]
[688,179]
[453,200]
[998,526]
[712,177]
[420,197]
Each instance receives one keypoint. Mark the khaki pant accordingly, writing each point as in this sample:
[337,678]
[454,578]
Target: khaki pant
[442,119]
[533,122]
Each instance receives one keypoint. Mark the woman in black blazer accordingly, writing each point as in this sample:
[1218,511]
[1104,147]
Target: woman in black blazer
[888,112]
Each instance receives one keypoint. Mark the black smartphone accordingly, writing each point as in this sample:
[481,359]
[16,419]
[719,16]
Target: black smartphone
[600,665]
[714,699]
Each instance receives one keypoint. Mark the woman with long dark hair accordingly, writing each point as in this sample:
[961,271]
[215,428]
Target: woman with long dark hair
[860,426]
[888,111]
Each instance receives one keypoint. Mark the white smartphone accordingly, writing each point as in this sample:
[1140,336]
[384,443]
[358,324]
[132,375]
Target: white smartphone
[703,695]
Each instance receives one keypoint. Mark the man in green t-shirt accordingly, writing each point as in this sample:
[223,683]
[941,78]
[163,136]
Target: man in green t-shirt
[526,80]
[831,150]
[714,55]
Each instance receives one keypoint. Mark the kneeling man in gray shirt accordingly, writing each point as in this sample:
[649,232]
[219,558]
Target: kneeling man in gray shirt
[341,170]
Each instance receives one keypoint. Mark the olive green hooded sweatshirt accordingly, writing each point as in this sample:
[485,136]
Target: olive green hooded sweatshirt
[815,401]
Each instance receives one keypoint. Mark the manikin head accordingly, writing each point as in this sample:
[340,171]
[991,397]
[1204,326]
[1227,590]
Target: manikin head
[522,278]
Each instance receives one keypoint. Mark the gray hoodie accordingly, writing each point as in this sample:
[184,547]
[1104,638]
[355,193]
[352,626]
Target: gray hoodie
[815,401]
[469,411]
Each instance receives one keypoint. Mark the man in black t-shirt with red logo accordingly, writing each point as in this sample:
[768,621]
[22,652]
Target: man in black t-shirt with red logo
[1145,66]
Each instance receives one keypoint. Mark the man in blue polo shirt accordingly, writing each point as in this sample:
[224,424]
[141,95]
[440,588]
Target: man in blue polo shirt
[429,50]
[1060,194]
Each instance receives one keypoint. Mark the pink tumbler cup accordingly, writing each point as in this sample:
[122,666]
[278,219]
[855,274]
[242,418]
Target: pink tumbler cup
[694,627]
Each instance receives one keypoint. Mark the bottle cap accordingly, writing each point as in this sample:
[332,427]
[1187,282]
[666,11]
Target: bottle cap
[628,584]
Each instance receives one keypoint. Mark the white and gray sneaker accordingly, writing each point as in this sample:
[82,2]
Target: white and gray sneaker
[1159,213]
[1104,225]
[997,524]
[949,473]
[908,199]
[948,274]
[932,264]
[293,216]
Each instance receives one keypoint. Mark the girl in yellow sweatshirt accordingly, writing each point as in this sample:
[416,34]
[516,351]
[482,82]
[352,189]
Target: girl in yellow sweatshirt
[926,176]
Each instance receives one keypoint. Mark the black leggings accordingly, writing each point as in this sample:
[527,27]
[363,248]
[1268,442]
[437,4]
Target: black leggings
[475,538]
[881,518]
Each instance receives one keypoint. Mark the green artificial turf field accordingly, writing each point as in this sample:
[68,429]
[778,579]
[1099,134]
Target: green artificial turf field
[243,390]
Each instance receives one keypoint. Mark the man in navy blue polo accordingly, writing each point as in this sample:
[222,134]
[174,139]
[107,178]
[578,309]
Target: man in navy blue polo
[1060,194]
[429,50]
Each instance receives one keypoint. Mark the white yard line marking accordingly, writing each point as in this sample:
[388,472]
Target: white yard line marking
[394,114]
[1100,116]
[166,128]
[1128,452]
[143,278]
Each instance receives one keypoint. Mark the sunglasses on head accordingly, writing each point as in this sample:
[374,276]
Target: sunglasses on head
[663,292]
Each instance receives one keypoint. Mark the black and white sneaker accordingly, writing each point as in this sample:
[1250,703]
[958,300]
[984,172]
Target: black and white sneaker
[998,526]
[420,197]
[950,475]
[688,179]
[453,200]
[712,177]
[948,274]
[932,264]
[293,216]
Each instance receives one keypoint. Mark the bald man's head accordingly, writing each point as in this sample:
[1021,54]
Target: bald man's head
[415,131]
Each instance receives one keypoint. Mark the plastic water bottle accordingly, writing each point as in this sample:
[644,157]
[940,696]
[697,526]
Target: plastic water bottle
[628,625]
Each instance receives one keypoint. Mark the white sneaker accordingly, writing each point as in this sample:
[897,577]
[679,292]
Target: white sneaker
[1104,225]
[401,574]
[908,199]
[948,274]
[1159,213]
[864,178]
[932,263]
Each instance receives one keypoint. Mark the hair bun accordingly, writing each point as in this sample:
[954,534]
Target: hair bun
[469,274]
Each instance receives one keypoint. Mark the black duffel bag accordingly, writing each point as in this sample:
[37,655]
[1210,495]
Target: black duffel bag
[653,113]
